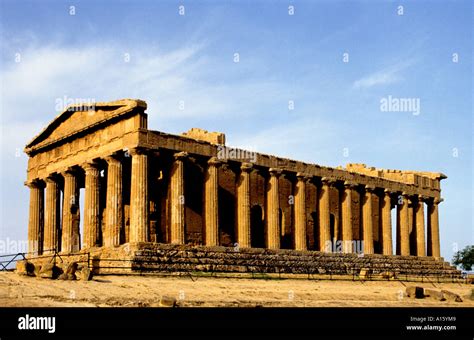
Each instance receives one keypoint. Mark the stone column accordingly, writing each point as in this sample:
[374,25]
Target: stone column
[211,203]
[420,227]
[403,236]
[91,205]
[347,218]
[273,209]
[300,212]
[35,222]
[433,228]
[139,205]
[368,220]
[177,199]
[243,207]
[325,215]
[51,216]
[387,248]
[114,205]
[70,227]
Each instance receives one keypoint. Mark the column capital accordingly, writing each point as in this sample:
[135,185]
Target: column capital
[214,161]
[69,172]
[51,178]
[138,151]
[180,156]
[327,180]
[388,191]
[89,166]
[35,183]
[246,167]
[301,176]
[422,198]
[349,185]
[369,188]
[275,171]
[113,158]
[437,200]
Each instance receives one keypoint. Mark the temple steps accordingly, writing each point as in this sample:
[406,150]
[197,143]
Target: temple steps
[177,258]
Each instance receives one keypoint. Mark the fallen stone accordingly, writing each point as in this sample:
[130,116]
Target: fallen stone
[363,273]
[47,271]
[71,270]
[167,301]
[85,274]
[415,292]
[434,294]
[451,296]
[25,268]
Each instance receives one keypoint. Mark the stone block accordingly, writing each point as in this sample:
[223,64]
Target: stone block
[25,268]
[451,296]
[415,292]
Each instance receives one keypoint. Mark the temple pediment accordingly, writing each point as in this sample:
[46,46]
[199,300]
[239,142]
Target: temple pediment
[77,119]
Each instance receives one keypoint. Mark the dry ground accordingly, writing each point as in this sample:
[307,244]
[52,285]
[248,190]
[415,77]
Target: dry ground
[135,291]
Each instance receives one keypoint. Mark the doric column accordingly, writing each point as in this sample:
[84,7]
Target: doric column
[35,222]
[403,236]
[433,228]
[273,211]
[51,216]
[91,205]
[70,241]
[420,227]
[177,199]
[300,212]
[211,202]
[114,207]
[243,206]
[139,231]
[347,218]
[387,248]
[325,215]
[368,220]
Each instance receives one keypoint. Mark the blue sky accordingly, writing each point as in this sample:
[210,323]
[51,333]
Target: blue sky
[145,49]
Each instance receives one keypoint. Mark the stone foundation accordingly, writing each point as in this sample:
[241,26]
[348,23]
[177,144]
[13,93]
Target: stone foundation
[145,258]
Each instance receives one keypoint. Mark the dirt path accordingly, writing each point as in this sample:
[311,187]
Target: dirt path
[136,291]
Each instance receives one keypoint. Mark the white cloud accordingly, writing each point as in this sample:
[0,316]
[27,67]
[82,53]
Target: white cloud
[385,76]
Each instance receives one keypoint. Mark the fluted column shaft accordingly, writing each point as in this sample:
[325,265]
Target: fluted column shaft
[211,203]
[51,216]
[70,241]
[368,221]
[403,227]
[420,227]
[324,216]
[114,208]
[387,247]
[139,214]
[243,207]
[273,206]
[35,221]
[300,212]
[91,206]
[177,200]
[433,228]
[347,218]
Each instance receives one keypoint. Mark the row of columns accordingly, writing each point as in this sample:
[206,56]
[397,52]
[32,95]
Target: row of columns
[44,233]
[139,231]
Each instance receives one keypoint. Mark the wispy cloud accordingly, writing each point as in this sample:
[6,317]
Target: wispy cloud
[388,75]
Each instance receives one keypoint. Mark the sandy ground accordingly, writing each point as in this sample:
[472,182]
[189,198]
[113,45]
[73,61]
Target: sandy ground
[133,291]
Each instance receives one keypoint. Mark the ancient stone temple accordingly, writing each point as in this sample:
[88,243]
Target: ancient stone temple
[142,188]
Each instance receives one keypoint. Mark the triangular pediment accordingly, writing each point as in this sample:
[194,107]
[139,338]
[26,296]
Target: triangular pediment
[79,118]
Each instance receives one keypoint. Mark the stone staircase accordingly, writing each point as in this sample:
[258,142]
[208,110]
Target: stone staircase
[167,258]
